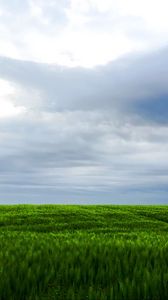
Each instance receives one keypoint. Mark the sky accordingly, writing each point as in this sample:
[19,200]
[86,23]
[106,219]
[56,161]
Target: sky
[84,101]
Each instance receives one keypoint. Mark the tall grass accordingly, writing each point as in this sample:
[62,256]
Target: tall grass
[55,253]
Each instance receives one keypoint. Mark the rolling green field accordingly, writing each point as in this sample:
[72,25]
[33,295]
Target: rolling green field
[83,252]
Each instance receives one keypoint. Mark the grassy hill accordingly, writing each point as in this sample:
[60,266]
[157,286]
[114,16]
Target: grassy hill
[83,252]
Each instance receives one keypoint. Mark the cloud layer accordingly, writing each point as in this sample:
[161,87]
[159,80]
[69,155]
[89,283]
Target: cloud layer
[83,101]
[86,135]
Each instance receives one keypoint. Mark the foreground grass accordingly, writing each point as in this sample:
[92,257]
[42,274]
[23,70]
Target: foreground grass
[83,252]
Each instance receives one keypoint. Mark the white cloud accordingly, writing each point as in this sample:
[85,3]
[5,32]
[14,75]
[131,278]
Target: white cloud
[35,10]
[7,107]
[154,13]
[81,33]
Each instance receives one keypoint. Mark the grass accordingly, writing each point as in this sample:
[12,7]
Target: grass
[83,252]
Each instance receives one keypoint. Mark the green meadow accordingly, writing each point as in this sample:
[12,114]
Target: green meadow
[83,252]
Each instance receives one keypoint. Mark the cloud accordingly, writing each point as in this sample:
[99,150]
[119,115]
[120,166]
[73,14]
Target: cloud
[81,154]
[134,84]
[75,122]
[79,137]
[75,33]
[8,109]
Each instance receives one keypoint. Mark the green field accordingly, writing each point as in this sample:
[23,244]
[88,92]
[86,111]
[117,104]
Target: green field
[83,252]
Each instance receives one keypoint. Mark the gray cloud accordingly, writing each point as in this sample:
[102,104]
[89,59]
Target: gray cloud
[137,83]
[66,154]
[86,133]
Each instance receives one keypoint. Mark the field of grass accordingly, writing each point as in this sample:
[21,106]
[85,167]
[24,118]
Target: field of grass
[83,252]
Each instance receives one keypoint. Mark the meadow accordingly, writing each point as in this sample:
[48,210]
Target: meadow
[73,252]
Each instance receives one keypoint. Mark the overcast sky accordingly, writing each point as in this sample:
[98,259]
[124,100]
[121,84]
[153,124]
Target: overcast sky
[83,101]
